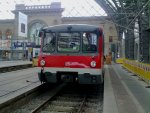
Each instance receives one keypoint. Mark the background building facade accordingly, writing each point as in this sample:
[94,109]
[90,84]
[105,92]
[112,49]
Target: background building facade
[14,46]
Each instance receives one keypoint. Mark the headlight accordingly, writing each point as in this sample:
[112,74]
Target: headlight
[42,62]
[93,64]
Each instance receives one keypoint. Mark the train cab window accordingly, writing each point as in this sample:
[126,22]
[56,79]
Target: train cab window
[49,42]
[89,42]
[68,42]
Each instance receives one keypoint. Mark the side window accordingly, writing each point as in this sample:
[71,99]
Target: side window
[89,42]
[49,42]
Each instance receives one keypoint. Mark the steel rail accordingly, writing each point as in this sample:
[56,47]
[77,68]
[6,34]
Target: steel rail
[55,92]
[83,102]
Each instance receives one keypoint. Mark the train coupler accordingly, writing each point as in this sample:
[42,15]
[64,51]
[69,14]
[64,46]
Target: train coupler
[41,76]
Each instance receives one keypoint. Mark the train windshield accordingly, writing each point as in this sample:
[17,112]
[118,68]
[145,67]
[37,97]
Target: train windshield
[89,42]
[68,42]
[49,42]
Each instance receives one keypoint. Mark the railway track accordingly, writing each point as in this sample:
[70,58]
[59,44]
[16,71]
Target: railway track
[64,99]
[27,100]
[75,100]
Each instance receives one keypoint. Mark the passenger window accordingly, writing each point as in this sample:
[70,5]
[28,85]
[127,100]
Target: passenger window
[89,42]
[49,42]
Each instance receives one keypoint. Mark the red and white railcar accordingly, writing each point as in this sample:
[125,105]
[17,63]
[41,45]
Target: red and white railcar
[72,53]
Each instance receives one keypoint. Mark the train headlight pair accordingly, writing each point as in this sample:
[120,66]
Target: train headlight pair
[93,64]
[42,62]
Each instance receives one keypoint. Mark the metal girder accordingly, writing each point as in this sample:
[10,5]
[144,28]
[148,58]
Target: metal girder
[110,5]
[111,11]
[107,6]
[141,10]
[123,9]
[116,4]
[125,15]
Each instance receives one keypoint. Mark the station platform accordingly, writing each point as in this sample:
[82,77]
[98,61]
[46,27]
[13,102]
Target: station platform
[14,63]
[124,92]
[16,84]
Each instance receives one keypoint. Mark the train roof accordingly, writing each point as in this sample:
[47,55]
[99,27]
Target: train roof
[71,27]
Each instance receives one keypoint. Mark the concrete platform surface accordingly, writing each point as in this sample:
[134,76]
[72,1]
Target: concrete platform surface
[123,92]
[13,63]
[15,83]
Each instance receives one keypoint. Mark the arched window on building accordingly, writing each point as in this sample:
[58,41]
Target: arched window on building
[8,34]
[34,31]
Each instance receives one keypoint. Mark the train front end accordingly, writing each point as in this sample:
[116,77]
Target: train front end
[71,56]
